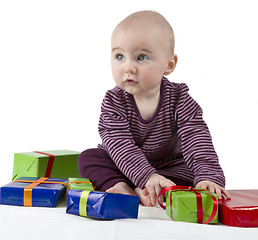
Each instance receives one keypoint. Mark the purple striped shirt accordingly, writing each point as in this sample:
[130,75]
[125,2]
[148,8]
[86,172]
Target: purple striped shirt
[174,142]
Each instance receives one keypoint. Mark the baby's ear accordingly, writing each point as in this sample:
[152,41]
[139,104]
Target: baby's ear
[171,65]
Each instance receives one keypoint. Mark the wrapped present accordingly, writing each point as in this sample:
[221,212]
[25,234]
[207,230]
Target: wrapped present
[241,210]
[80,184]
[34,192]
[187,204]
[102,205]
[54,164]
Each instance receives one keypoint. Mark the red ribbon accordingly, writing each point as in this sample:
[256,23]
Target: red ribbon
[50,163]
[198,201]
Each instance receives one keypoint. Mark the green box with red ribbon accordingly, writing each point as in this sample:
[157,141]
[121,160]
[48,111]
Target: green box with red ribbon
[80,184]
[187,204]
[54,164]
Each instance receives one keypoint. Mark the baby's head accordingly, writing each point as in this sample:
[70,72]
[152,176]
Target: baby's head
[142,52]
[149,21]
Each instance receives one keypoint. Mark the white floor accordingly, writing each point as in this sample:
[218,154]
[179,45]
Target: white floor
[53,223]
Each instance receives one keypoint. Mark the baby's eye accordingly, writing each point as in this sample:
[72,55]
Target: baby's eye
[120,57]
[142,57]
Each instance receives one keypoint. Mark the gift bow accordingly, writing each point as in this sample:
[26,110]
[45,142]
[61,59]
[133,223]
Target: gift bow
[27,196]
[198,201]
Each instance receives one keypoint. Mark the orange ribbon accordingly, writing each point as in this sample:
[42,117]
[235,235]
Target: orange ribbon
[27,196]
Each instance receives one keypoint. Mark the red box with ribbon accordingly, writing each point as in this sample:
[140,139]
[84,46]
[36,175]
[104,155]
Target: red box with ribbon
[241,210]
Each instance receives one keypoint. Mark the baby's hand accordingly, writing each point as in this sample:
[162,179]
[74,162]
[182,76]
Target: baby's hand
[154,185]
[213,187]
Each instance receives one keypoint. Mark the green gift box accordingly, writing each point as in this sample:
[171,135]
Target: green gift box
[54,164]
[80,184]
[187,204]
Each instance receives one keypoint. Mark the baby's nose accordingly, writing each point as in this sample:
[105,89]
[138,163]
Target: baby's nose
[130,68]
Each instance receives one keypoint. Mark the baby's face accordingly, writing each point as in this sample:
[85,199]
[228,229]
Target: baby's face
[140,57]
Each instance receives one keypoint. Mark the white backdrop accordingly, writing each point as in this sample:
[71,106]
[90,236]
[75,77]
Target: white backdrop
[55,70]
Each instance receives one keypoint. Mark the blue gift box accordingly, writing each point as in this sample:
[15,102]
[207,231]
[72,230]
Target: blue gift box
[102,205]
[48,193]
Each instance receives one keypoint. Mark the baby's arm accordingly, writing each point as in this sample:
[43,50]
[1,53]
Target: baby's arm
[213,187]
[196,142]
[154,185]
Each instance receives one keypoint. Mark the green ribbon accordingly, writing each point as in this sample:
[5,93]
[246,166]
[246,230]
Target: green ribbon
[83,203]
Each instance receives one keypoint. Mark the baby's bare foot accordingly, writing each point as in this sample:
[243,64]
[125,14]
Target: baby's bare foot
[121,187]
[145,199]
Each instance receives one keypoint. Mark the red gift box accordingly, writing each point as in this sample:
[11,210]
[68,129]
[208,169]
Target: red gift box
[241,210]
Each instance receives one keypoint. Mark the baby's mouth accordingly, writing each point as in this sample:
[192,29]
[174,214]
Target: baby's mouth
[130,81]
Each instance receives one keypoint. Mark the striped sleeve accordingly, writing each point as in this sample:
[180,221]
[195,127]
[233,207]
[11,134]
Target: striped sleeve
[118,141]
[196,141]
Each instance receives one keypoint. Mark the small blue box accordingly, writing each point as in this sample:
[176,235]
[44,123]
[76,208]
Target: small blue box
[43,195]
[102,205]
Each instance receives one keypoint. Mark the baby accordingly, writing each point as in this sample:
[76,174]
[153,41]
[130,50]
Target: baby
[153,134]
